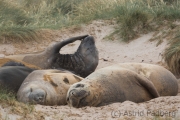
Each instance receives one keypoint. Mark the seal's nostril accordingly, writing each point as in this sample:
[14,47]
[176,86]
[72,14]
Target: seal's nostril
[72,93]
[40,98]
[79,85]
[67,99]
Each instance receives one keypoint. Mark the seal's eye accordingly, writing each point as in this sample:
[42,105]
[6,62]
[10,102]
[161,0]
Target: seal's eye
[66,80]
[79,85]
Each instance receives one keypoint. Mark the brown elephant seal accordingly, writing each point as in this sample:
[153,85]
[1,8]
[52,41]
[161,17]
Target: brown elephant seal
[137,82]
[83,62]
[46,87]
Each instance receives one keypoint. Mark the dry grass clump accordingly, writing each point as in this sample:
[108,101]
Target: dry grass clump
[172,55]
[7,99]
[134,16]
[13,23]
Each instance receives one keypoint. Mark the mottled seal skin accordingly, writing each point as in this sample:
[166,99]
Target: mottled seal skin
[137,82]
[83,62]
[46,87]
[12,74]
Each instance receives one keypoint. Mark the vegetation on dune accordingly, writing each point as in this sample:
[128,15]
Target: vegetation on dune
[5,95]
[7,98]
[172,55]
[21,19]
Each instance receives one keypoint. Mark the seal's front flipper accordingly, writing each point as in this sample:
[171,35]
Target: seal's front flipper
[147,84]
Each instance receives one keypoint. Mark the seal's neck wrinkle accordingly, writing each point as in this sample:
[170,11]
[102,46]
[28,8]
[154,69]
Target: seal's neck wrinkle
[72,62]
[95,97]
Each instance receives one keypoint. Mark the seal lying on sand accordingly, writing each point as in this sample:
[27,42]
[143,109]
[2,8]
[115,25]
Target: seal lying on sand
[83,62]
[12,74]
[46,87]
[15,62]
[137,82]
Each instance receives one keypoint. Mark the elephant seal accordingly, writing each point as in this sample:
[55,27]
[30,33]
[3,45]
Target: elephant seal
[83,62]
[14,62]
[46,87]
[136,82]
[12,74]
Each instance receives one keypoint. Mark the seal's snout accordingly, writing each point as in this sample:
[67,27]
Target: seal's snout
[77,94]
[76,97]
[37,96]
[89,40]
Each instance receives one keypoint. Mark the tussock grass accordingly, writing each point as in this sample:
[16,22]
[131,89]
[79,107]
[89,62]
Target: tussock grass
[94,9]
[172,55]
[17,33]
[12,23]
[133,19]
[7,98]
[10,15]
[134,16]
[32,15]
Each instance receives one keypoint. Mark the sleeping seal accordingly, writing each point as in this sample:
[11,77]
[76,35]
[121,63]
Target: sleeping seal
[46,87]
[137,82]
[12,74]
[15,62]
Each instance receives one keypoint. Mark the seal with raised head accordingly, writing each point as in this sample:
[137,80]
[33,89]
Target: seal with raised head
[46,87]
[83,62]
[136,82]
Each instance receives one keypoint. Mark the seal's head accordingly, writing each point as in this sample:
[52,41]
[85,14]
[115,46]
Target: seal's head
[33,94]
[89,54]
[83,94]
[38,94]
[87,43]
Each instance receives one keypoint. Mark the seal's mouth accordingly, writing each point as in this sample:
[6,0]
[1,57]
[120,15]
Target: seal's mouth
[77,98]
